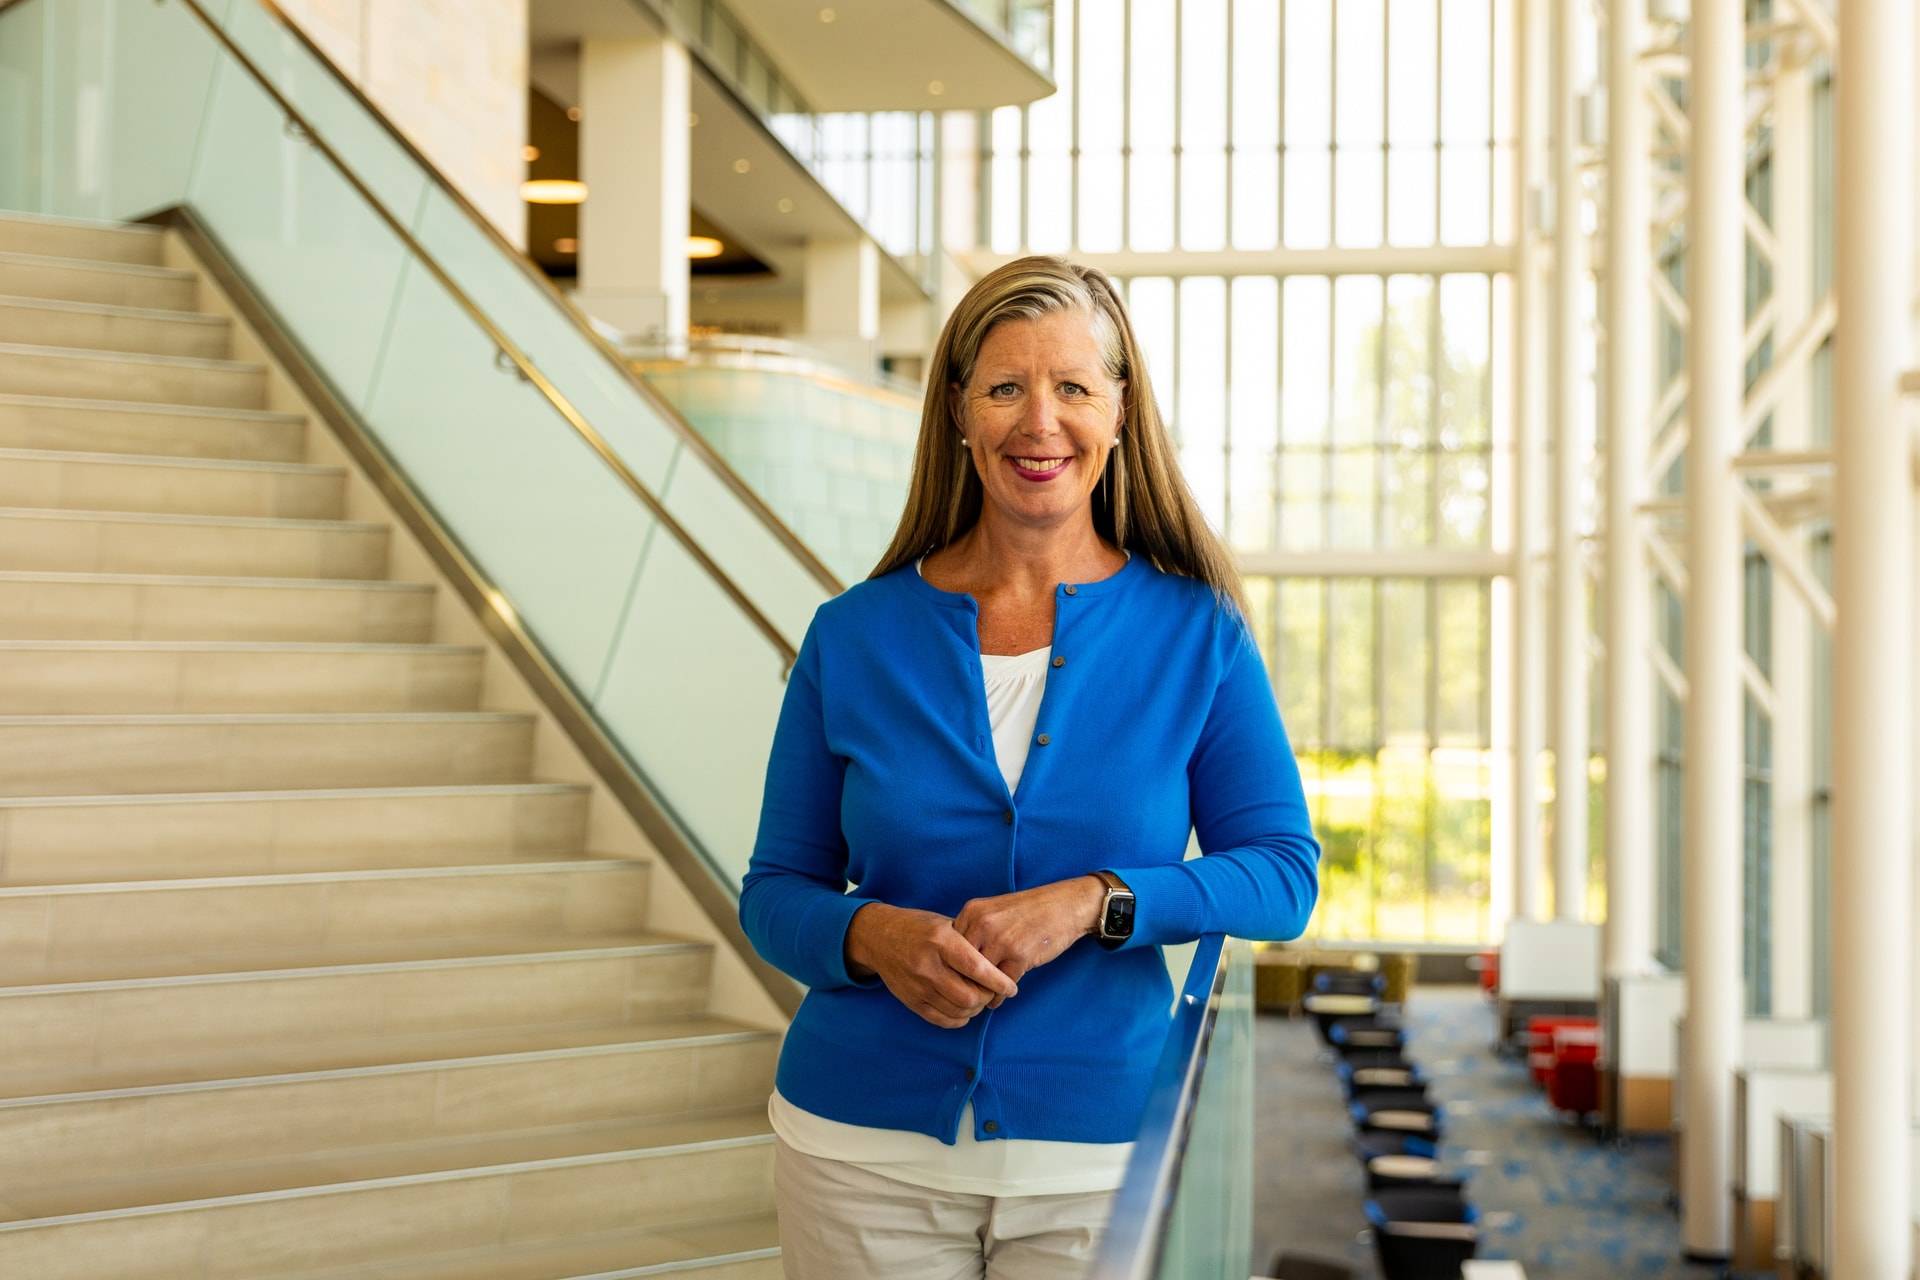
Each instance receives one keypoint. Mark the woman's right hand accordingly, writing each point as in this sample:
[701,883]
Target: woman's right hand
[927,964]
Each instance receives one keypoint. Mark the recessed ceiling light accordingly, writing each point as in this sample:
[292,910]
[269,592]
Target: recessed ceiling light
[553,191]
[529,153]
[828,15]
[574,114]
[741,165]
[704,247]
[936,87]
[693,119]
[784,205]
[566,244]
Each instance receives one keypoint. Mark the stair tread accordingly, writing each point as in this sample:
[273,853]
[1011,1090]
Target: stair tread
[75,515]
[150,406]
[95,264]
[458,861]
[112,308]
[570,864]
[292,958]
[163,460]
[241,646]
[160,719]
[586,1257]
[40,352]
[210,580]
[221,1069]
[330,1169]
[530,787]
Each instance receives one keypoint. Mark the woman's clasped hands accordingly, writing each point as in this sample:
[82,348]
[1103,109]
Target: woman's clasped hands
[949,969]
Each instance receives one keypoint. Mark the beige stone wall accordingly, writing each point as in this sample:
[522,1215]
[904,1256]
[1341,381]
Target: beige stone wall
[451,75]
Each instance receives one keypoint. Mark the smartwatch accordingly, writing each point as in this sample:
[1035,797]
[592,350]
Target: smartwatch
[1116,912]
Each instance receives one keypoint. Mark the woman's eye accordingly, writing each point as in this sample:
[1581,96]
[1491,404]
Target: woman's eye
[1073,388]
[1006,387]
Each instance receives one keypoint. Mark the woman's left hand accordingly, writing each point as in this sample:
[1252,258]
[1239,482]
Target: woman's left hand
[1021,931]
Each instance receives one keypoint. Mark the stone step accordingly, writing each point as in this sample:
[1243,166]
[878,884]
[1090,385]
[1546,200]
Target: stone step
[479,1197]
[84,238]
[45,540]
[160,1014]
[104,677]
[70,480]
[77,839]
[116,375]
[49,928]
[355,1093]
[175,431]
[100,326]
[135,606]
[94,754]
[120,284]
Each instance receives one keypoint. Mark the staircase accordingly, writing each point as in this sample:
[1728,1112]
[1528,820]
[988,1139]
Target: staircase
[305,971]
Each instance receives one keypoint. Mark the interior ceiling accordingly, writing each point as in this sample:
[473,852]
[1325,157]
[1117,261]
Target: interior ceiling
[883,55]
[747,205]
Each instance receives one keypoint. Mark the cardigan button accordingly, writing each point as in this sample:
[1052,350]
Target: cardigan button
[1043,739]
[991,1127]
[1072,590]
[969,1073]
[1058,661]
[1007,817]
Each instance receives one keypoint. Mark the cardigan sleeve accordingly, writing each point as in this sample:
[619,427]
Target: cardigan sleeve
[1258,873]
[794,904]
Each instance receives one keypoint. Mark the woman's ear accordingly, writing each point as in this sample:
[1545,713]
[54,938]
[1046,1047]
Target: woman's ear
[956,404]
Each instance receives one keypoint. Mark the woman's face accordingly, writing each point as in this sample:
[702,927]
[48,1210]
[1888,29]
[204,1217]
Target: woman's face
[1040,416]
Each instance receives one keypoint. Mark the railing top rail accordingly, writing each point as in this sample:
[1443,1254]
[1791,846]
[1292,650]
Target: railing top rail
[1136,1231]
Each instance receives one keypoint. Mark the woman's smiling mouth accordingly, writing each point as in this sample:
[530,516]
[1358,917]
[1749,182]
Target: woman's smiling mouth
[1038,469]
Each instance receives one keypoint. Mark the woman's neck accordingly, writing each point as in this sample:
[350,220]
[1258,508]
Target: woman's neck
[991,559]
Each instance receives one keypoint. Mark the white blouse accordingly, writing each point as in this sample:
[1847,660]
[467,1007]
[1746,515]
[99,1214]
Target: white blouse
[1004,1166]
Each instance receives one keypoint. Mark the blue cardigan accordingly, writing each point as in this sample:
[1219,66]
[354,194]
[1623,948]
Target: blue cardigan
[1157,721]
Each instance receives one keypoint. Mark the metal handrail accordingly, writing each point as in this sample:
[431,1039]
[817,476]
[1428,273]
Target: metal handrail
[1136,1232]
[506,345]
[815,567]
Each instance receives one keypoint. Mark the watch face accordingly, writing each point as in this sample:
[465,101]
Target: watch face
[1119,922]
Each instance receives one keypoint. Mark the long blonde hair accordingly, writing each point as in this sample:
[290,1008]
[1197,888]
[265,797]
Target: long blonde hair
[1141,504]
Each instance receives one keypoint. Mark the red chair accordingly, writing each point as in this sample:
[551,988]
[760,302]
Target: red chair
[1574,1082]
[1540,1031]
[1487,965]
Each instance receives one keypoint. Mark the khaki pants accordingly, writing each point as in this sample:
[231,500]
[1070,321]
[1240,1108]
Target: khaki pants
[841,1222]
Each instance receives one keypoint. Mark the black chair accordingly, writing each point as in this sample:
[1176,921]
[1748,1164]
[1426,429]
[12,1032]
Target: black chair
[1422,1233]
[1371,1079]
[1299,1266]
[1353,1035]
[1348,982]
[1394,1160]
[1398,1111]
[1328,1008]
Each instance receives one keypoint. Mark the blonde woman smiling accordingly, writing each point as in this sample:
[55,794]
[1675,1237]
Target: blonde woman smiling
[1003,739]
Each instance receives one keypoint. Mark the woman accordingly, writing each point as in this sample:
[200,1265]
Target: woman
[1003,738]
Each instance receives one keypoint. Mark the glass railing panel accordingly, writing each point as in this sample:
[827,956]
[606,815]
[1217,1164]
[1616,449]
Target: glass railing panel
[305,238]
[1209,1228]
[115,133]
[374,155]
[832,459]
[22,37]
[556,531]
[694,699]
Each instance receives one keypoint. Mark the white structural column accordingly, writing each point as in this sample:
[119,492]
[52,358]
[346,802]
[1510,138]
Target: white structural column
[635,157]
[1711,823]
[1528,872]
[1790,921]
[1873,652]
[1568,673]
[1629,613]
[842,307]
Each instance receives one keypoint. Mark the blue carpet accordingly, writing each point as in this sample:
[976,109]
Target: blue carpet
[1565,1204]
